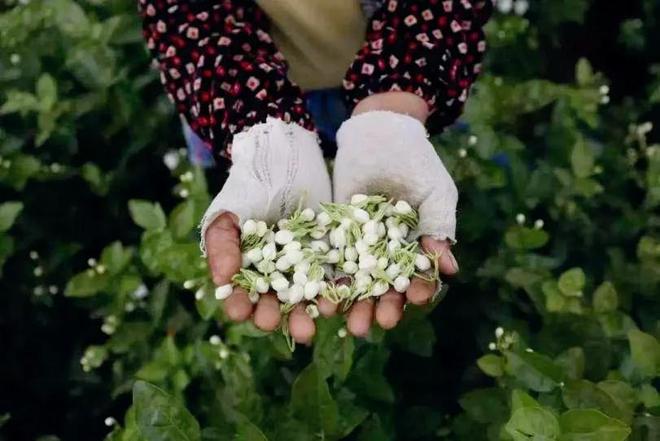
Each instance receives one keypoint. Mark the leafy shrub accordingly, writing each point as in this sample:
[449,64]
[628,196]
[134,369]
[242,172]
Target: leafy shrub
[550,332]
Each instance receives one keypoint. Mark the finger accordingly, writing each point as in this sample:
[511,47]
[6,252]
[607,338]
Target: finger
[326,307]
[420,291]
[389,309]
[238,306]
[446,262]
[223,248]
[267,313]
[360,317]
[301,325]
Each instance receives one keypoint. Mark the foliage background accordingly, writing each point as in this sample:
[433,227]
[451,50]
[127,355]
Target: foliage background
[557,130]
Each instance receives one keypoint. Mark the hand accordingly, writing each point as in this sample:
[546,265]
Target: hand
[389,153]
[275,166]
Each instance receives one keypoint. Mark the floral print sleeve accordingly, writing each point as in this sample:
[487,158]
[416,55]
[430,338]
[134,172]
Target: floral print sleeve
[432,48]
[220,66]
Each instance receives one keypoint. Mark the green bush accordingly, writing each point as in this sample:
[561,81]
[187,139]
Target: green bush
[550,332]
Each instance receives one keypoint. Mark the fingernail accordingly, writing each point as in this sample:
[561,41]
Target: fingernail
[454,264]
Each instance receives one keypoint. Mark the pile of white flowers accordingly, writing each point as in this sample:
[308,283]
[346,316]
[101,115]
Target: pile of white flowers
[363,244]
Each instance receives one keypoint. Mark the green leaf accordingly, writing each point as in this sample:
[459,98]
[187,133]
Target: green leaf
[182,219]
[367,379]
[605,298]
[583,394]
[591,425]
[312,403]
[115,257]
[645,352]
[623,395]
[208,305]
[333,354]
[160,417]
[86,284]
[414,333]
[491,365]
[485,405]
[583,72]
[70,18]
[533,423]
[536,371]
[572,282]
[46,91]
[572,362]
[246,431]
[146,214]
[520,399]
[524,238]
[9,211]
[96,179]
[582,159]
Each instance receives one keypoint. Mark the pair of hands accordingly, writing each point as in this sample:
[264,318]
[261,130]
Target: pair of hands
[276,164]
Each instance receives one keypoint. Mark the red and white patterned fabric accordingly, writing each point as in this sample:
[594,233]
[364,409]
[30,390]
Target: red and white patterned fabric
[224,73]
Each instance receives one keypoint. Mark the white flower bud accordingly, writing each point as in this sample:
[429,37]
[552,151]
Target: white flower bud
[215,340]
[283,263]
[189,284]
[253,297]
[294,256]
[401,283]
[279,284]
[538,224]
[302,266]
[395,233]
[109,421]
[307,214]
[224,291]
[283,295]
[293,245]
[404,230]
[422,262]
[492,346]
[370,227]
[499,332]
[382,262]
[358,199]
[283,237]
[318,233]
[265,266]
[393,245]
[319,246]
[338,238]
[323,219]
[245,261]
[350,267]
[361,246]
[361,216]
[300,278]
[393,270]
[282,224]
[311,289]
[368,262]
[223,353]
[370,239]
[312,310]
[255,255]
[249,227]
[269,251]
[261,285]
[362,283]
[382,231]
[346,223]
[296,293]
[342,333]
[351,254]
[332,256]
[391,222]
[379,288]
[402,207]
[520,218]
[199,294]
[261,228]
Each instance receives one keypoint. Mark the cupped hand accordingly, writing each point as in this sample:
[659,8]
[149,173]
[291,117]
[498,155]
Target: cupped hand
[385,152]
[276,165]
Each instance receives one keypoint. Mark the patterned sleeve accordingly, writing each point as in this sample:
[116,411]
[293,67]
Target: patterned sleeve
[220,66]
[432,48]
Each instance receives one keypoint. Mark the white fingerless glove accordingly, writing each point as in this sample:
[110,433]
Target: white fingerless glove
[389,153]
[276,165]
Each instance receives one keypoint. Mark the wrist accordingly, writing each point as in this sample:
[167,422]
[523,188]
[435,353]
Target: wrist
[399,102]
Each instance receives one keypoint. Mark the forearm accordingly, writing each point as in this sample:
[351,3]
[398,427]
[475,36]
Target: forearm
[399,102]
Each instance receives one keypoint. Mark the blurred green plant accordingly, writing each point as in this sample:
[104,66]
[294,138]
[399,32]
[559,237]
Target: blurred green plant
[549,333]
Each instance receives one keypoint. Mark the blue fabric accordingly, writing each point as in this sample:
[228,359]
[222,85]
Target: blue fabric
[326,106]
